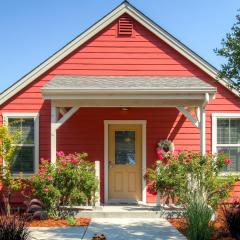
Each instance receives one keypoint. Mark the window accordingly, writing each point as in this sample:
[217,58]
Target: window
[226,138]
[26,157]
[125,148]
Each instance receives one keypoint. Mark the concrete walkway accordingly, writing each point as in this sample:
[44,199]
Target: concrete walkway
[113,228]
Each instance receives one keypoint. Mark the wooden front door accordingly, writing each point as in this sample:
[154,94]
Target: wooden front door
[125,162]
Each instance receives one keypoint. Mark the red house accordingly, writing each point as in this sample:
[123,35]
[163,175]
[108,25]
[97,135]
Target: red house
[114,92]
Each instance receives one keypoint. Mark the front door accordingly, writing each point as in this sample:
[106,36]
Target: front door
[125,162]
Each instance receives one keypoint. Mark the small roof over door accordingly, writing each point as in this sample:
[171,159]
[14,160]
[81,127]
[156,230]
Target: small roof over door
[127,91]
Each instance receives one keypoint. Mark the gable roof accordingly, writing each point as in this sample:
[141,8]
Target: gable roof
[125,7]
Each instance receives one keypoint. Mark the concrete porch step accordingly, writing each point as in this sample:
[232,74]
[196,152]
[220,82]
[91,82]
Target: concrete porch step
[130,212]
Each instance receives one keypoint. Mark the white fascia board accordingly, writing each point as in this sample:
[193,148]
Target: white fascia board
[125,96]
[100,25]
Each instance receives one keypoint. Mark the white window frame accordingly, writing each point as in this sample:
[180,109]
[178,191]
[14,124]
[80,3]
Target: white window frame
[215,117]
[35,116]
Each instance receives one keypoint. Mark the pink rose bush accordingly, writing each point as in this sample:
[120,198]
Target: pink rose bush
[175,172]
[70,181]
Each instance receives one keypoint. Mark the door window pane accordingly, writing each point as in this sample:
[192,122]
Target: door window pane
[125,148]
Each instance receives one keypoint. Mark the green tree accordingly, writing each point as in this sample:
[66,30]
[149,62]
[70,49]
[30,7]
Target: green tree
[231,51]
[7,153]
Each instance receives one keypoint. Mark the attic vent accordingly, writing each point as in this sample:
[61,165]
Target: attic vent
[125,27]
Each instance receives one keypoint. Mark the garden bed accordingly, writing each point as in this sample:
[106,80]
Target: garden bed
[80,222]
[220,230]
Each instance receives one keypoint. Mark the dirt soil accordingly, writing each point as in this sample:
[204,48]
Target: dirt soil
[59,223]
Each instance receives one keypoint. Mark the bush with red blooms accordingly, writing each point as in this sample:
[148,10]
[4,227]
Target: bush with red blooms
[71,181]
[187,173]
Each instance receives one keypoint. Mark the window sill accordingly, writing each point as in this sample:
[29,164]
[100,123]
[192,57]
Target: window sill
[23,175]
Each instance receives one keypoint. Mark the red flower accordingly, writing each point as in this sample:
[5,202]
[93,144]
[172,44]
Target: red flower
[160,154]
[60,154]
[46,190]
[73,161]
[64,162]
[50,178]
[228,161]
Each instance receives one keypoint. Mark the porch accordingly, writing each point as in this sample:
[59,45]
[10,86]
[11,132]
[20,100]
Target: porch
[123,101]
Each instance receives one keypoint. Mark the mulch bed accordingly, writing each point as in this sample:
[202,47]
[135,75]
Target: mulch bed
[81,222]
[220,230]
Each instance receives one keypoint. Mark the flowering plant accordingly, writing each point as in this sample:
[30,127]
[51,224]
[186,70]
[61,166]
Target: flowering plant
[189,173]
[8,150]
[71,181]
[165,147]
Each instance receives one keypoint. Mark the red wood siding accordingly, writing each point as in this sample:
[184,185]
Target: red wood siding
[106,54]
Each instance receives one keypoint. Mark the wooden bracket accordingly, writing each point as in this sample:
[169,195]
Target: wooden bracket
[65,116]
[187,113]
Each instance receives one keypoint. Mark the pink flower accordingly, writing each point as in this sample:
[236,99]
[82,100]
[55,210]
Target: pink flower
[46,190]
[64,162]
[60,154]
[73,161]
[50,178]
[228,161]
[160,154]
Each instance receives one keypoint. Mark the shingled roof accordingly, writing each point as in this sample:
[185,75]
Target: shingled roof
[176,84]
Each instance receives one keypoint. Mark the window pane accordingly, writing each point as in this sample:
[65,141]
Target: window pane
[14,125]
[125,147]
[24,160]
[234,155]
[28,131]
[25,126]
[223,131]
[235,131]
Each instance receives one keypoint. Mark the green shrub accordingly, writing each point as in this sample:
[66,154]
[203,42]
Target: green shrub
[188,173]
[198,216]
[75,179]
[8,150]
[71,220]
[71,181]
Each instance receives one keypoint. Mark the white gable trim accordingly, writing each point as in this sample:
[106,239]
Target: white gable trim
[125,7]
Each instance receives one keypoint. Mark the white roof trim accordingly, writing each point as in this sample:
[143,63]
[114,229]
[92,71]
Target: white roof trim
[125,7]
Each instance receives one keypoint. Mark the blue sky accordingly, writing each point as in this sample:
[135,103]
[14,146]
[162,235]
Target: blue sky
[30,31]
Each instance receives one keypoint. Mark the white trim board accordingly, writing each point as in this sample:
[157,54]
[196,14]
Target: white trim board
[35,116]
[125,7]
[144,157]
